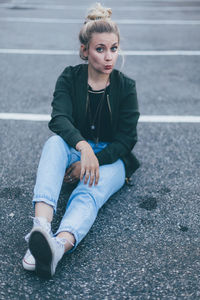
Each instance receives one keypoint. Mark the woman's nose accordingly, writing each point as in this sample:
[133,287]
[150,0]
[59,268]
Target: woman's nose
[108,55]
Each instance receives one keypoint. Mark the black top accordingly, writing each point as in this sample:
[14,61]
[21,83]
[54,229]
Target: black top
[98,119]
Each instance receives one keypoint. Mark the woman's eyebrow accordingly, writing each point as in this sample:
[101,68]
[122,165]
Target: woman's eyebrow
[116,43]
[100,45]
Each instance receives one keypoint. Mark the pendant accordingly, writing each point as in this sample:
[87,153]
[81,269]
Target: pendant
[92,127]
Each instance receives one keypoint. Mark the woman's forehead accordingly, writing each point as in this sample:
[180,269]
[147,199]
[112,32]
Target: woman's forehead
[104,38]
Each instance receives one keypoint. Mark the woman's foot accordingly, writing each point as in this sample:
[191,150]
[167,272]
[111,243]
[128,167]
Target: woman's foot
[28,261]
[47,252]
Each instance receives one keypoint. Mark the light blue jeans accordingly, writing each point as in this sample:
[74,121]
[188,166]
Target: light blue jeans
[85,201]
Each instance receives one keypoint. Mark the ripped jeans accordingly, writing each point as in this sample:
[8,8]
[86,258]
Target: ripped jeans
[85,201]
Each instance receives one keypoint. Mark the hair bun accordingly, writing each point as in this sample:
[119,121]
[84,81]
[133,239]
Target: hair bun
[98,12]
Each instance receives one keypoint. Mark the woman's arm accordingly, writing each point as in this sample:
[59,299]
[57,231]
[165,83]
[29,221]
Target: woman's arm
[62,122]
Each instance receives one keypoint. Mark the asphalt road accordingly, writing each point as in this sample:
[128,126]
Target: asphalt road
[145,242]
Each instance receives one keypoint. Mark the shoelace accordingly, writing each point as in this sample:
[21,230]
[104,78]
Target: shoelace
[38,222]
[62,241]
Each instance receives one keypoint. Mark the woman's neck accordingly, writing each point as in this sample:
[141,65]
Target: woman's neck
[97,80]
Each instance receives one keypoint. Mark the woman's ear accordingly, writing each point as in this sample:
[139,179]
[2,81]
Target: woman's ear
[84,50]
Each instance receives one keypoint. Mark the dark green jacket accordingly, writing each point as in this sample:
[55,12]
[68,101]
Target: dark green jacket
[69,112]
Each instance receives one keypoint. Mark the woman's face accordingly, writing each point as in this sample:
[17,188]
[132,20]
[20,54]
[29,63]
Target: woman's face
[103,52]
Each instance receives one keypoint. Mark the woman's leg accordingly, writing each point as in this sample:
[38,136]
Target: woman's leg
[85,201]
[55,158]
[44,210]
[81,213]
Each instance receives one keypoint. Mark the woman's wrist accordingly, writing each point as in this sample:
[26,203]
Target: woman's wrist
[81,146]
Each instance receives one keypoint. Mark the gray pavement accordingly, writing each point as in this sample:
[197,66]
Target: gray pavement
[145,242]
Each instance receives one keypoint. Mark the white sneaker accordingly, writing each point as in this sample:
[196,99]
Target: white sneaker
[28,261]
[46,250]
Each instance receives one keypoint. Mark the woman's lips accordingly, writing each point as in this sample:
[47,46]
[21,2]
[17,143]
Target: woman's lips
[108,67]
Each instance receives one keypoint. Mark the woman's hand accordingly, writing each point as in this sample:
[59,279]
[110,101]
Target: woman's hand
[72,174]
[89,163]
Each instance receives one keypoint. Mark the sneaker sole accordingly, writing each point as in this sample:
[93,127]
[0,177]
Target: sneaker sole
[41,250]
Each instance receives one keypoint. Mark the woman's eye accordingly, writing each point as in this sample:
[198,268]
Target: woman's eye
[114,49]
[99,49]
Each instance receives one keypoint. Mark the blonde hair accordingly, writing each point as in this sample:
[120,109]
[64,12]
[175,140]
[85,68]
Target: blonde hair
[98,20]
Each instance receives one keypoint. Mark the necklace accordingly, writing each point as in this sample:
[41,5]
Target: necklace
[94,120]
[98,110]
[97,115]
[94,112]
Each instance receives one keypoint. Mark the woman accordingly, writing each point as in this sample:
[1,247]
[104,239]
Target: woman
[94,116]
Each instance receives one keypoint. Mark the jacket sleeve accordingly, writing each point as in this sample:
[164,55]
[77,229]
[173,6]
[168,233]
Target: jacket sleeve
[62,122]
[126,135]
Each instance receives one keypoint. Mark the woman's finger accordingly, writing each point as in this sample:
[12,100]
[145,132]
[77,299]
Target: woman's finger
[68,171]
[82,173]
[97,176]
[73,180]
[91,178]
[68,179]
[87,175]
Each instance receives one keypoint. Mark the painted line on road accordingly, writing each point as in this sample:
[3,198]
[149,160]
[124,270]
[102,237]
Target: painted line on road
[169,119]
[158,22]
[38,52]
[135,1]
[80,21]
[125,52]
[143,118]
[81,7]
[13,2]
[161,52]
[24,117]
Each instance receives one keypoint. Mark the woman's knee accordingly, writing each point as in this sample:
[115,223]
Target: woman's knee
[54,140]
[56,144]
[113,174]
[84,195]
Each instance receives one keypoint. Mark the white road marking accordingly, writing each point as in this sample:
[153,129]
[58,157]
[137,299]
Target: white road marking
[125,52]
[158,22]
[24,117]
[161,52]
[119,8]
[42,20]
[80,21]
[143,118]
[135,1]
[169,119]
[38,52]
